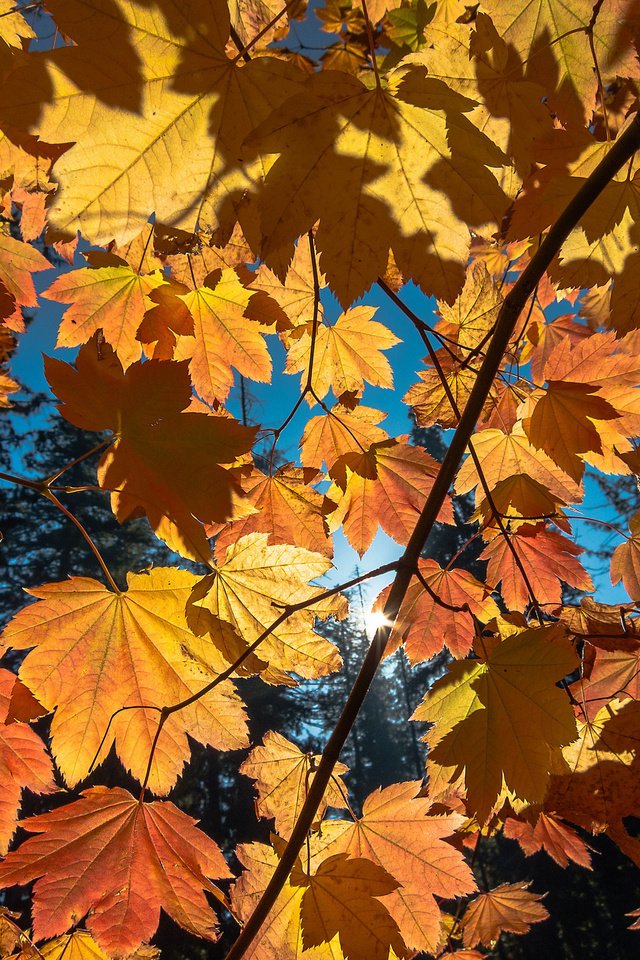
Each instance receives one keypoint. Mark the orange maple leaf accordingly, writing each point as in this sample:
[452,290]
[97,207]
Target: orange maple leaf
[164,462]
[287,507]
[511,908]
[625,562]
[548,558]
[24,761]
[397,833]
[386,486]
[119,650]
[425,625]
[327,438]
[117,861]
[549,833]
[18,261]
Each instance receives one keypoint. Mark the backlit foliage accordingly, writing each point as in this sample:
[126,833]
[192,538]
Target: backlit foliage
[210,183]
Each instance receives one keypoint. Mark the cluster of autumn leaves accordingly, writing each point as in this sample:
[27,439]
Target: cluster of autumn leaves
[270,179]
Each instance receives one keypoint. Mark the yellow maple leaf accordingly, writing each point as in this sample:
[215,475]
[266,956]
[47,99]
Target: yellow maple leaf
[552,39]
[224,338]
[346,354]
[13,26]
[342,897]
[250,590]
[502,718]
[281,934]
[111,299]
[291,301]
[80,945]
[172,92]
[96,651]
[282,775]
[378,168]
[482,66]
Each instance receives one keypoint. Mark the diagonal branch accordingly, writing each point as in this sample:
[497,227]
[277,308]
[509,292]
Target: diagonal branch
[513,304]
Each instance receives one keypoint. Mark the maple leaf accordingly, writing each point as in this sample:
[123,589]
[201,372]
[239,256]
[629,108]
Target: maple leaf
[472,316]
[429,399]
[483,67]
[326,439]
[625,562]
[287,508]
[521,500]
[397,833]
[604,626]
[164,462]
[281,934]
[614,674]
[562,425]
[117,861]
[503,455]
[426,625]
[292,302]
[173,93]
[502,717]
[251,588]
[597,788]
[165,321]
[13,27]
[24,761]
[80,945]
[96,651]
[552,835]
[335,169]
[224,337]
[386,486]
[544,337]
[605,240]
[111,299]
[18,261]
[346,354]
[341,898]
[7,386]
[547,558]
[282,775]
[554,43]
[510,907]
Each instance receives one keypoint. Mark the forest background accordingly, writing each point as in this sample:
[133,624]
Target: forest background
[587,904]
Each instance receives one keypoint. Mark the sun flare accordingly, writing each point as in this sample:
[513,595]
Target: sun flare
[374,619]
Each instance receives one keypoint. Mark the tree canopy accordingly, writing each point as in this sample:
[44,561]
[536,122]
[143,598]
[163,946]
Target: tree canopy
[225,201]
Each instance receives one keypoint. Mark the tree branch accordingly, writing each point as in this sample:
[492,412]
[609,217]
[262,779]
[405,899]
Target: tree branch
[508,316]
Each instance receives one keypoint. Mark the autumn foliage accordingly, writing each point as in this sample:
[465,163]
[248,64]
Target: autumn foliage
[211,187]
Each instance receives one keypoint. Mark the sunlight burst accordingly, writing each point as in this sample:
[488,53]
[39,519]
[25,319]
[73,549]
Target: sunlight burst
[374,619]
